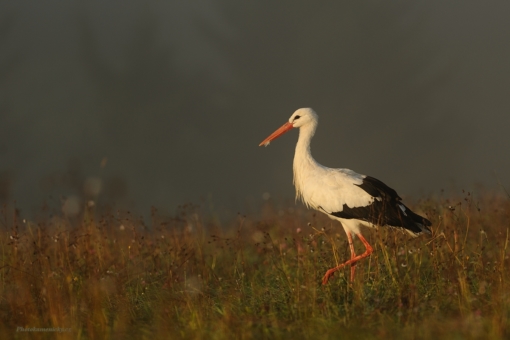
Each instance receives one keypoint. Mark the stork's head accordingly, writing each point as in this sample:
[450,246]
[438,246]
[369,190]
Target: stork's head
[301,117]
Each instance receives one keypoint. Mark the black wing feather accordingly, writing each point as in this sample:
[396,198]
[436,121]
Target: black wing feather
[385,210]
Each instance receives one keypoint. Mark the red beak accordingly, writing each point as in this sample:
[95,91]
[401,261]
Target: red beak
[285,127]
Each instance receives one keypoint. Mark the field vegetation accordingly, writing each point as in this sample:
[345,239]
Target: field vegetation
[106,274]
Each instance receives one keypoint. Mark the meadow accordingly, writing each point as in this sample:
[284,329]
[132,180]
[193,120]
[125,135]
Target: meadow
[109,274]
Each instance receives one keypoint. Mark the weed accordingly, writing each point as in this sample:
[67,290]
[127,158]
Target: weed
[188,277]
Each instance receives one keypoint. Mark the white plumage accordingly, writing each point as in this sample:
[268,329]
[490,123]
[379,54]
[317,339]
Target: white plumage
[342,194]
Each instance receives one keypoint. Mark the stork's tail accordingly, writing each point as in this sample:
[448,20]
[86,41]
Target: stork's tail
[416,224]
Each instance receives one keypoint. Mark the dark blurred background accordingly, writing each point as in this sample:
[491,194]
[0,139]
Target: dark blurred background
[159,103]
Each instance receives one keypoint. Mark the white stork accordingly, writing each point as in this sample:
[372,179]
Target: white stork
[344,195]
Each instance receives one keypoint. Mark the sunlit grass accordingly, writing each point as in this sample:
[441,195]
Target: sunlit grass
[110,275]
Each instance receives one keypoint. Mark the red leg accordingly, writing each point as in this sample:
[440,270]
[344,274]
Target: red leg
[353,255]
[353,260]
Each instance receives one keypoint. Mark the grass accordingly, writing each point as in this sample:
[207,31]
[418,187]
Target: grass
[109,275]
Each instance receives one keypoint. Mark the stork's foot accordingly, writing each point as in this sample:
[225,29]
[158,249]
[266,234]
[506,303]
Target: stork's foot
[328,274]
[332,271]
[351,262]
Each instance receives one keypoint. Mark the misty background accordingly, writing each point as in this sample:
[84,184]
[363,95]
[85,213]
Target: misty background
[160,103]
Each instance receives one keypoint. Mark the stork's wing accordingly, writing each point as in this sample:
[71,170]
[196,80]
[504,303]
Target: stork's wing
[329,190]
[382,205]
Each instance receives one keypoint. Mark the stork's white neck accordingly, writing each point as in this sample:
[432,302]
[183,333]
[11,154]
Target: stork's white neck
[304,163]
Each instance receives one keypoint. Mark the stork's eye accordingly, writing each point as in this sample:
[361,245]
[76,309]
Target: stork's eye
[297,117]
